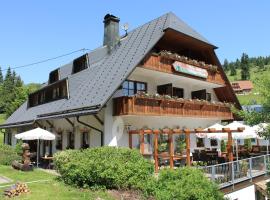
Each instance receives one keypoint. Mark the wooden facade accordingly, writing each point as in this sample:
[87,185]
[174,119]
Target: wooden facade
[170,107]
[163,64]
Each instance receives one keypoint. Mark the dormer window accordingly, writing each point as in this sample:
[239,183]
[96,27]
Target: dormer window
[54,76]
[80,64]
[52,92]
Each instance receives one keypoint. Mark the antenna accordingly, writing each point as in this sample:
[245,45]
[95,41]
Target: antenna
[125,28]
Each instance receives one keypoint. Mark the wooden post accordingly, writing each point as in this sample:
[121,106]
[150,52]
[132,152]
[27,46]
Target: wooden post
[187,134]
[142,141]
[171,149]
[130,140]
[229,147]
[156,149]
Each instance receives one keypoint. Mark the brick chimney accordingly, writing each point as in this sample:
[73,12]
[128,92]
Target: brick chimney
[111,31]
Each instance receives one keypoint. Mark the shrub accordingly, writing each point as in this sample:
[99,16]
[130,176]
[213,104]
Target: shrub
[184,183]
[7,154]
[107,167]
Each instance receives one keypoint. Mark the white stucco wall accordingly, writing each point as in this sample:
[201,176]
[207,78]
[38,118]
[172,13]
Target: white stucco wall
[153,80]
[247,193]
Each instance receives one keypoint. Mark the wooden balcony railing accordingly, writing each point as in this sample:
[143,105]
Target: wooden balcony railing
[170,107]
[164,64]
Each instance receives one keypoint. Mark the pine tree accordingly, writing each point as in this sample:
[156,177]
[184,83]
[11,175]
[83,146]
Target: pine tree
[232,69]
[1,76]
[245,75]
[226,65]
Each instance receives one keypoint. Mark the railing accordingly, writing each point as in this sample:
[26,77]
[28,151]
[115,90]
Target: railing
[162,64]
[230,173]
[170,107]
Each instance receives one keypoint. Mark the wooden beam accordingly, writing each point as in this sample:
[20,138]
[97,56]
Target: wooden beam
[229,146]
[171,149]
[187,134]
[99,120]
[156,150]
[142,141]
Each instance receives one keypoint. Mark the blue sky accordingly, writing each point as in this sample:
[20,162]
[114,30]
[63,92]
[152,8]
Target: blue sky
[36,30]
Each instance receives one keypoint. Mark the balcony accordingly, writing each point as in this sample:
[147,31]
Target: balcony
[150,106]
[164,63]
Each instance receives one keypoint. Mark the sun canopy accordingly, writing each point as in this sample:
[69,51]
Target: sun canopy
[36,134]
[248,132]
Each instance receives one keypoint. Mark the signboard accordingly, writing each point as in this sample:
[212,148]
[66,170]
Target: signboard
[189,69]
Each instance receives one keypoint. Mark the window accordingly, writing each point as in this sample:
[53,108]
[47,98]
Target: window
[8,134]
[55,91]
[59,138]
[80,64]
[133,87]
[178,92]
[200,142]
[208,97]
[85,143]
[54,76]
[70,140]
[213,142]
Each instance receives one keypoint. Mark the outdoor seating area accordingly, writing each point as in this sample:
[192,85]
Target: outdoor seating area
[172,147]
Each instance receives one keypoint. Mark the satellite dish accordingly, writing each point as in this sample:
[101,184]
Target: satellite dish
[125,27]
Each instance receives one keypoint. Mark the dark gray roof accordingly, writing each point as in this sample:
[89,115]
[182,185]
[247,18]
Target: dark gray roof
[90,89]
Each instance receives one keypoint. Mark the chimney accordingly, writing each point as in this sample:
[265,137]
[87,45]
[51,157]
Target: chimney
[111,31]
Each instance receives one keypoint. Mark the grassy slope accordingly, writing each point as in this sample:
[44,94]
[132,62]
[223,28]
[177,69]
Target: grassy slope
[52,189]
[254,75]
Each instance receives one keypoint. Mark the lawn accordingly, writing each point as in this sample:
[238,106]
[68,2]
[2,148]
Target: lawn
[255,74]
[50,189]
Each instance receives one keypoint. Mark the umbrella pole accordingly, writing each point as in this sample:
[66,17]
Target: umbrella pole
[37,151]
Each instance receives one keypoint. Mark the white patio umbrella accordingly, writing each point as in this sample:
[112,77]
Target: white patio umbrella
[36,134]
[259,128]
[216,126]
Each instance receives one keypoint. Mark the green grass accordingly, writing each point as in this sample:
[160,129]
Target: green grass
[51,189]
[255,74]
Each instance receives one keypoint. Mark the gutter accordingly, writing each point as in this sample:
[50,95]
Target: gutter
[96,129]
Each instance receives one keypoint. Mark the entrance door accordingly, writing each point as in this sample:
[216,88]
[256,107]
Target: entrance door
[200,94]
[166,89]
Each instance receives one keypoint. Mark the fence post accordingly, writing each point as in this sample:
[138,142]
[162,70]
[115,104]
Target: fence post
[213,172]
[250,168]
[265,164]
[232,175]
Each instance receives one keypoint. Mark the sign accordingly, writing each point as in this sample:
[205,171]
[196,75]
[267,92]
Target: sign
[189,69]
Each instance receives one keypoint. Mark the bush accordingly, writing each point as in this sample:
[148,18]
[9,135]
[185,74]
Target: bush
[183,184]
[186,183]
[107,167]
[7,154]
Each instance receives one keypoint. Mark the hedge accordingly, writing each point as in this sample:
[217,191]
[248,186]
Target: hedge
[8,154]
[107,167]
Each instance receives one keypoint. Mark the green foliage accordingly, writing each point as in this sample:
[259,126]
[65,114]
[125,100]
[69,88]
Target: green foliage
[184,183]
[223,146]
[18,147]
[245,75]
[7,154]
[180,143]
[105,167]
[13,92]
[247,144]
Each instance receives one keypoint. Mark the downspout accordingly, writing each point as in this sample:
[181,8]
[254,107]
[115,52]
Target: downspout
[96,129]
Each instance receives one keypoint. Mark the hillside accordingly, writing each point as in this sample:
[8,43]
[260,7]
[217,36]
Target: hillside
[255,74]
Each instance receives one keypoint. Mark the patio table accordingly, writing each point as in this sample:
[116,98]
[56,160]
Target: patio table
[48,159]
